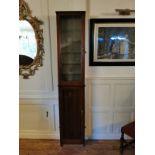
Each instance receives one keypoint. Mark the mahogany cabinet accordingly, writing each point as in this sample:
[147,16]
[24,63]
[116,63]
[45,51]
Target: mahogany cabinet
[71,57]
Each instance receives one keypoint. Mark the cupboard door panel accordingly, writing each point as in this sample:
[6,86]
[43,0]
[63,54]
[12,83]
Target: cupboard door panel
[72,113]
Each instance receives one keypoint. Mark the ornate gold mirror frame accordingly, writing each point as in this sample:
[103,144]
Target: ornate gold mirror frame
[25,14]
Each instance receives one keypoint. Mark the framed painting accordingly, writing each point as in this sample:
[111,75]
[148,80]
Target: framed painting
[112,42]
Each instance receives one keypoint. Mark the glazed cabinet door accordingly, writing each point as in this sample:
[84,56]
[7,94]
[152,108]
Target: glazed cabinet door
[70,33]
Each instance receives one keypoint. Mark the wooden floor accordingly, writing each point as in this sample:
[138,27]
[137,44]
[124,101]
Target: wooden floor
[52,147]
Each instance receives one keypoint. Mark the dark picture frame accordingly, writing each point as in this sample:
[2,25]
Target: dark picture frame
[112,42]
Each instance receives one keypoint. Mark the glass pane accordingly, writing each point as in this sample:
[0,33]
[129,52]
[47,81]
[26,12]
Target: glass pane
[71,48]
[116,43]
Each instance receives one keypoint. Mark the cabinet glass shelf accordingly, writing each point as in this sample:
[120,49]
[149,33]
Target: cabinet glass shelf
[71,77]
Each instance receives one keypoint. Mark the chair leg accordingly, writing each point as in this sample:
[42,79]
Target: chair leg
[122,142]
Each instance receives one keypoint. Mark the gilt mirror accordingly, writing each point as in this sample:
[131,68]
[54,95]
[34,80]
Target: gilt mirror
[30,41]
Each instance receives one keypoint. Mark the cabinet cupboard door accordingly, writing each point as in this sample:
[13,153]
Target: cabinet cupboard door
[71,114]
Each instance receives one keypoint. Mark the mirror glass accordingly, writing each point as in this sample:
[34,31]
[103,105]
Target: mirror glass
[27,43]
[31,49]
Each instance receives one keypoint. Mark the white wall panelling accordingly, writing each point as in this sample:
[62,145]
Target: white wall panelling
[39,119]
[104,8]
[41,84]
[111,105]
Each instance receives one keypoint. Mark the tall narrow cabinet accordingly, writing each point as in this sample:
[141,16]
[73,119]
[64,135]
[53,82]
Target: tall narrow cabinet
[71,57]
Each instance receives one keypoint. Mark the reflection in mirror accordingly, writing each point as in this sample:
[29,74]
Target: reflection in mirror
[27,43]
[30,41]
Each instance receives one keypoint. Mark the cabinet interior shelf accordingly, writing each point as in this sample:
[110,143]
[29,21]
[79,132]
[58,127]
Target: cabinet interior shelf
[70,73]
[70,63]
[71,53]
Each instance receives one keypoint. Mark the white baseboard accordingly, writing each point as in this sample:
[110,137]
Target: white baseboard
[105,136]
[48,135]
[108,136]
[38,135]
